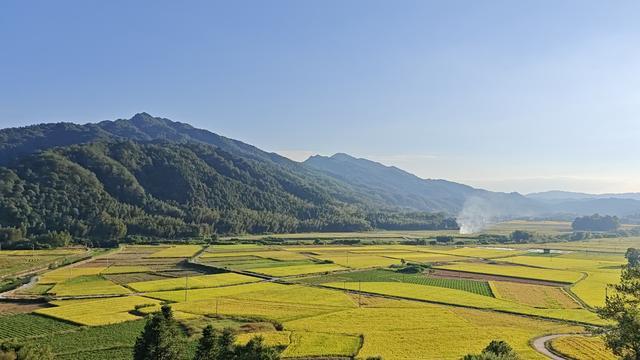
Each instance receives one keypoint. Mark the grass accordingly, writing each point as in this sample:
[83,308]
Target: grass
[472,286]
[517,271]
[176,251]
[88,285]
[195,282]
[99,312]
[538,296]
[297,269]
[27,325]
[582,347]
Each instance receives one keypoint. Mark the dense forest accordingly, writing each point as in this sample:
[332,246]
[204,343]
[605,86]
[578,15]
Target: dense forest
[108,189]
[596,222]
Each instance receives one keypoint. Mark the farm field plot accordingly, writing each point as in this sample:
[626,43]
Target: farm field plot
[265,254]
[540,296]
[24,325]
[273,301]
[176,251]
[397,332]
[271,338]
[597,274]
[68,272]
[423,257]
[564,263]
[242,263]
[582,347]
[99,312]
[322,344]
[297,269]
[472,286]
[123,279]
[16,261]
[111,342]
[125,269]
[87,285]
[476,252]
[592,289]
[195,282]
[543,227]
[209,293]
[357,261]
[610,245]
[518,271]
[463,298]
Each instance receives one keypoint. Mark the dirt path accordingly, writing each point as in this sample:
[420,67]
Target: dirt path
[539,344]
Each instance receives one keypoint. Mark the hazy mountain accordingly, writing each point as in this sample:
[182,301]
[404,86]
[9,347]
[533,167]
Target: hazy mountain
[556,195]
[474,208]
[392,185]
[576,203]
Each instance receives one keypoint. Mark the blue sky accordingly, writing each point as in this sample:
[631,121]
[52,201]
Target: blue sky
[507,95]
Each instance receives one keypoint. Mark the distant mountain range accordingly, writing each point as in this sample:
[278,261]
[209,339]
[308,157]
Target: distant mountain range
[155,177]
[556,195]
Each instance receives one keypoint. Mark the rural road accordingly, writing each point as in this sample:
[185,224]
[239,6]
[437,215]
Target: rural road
[539,345]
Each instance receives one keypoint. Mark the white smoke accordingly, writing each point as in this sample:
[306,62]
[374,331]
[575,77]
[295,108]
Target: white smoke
[477,214]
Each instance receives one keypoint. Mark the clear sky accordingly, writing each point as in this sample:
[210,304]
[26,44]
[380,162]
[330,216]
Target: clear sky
[507,95]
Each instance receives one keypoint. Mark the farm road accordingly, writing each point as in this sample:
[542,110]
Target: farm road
[540,345]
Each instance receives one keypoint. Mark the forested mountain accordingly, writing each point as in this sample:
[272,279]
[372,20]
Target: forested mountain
[154,178]
[400,188]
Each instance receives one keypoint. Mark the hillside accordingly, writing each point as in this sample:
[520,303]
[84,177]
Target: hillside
[400,188]
[152,177]
[623,204]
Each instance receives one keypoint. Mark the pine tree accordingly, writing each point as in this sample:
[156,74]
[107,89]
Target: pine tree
[161,338]
[623,309]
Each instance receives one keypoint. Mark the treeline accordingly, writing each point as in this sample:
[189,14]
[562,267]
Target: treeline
[596,222]
[104,192]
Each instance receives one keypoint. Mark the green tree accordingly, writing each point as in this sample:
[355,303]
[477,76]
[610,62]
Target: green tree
[25,352]
[622,308]
[161,338]
[496,350]
[255,349]
[216,346]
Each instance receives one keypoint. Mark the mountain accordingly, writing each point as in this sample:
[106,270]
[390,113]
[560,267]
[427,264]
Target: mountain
[556,195]
[400,188]
[392,185]
[575,203]
[152,177]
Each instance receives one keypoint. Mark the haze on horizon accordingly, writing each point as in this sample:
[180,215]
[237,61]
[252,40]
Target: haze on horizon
[512,96]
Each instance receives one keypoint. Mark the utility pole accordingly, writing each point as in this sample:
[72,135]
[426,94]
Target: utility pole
[186,287]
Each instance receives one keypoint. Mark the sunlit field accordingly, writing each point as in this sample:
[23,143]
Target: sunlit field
[334,300]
